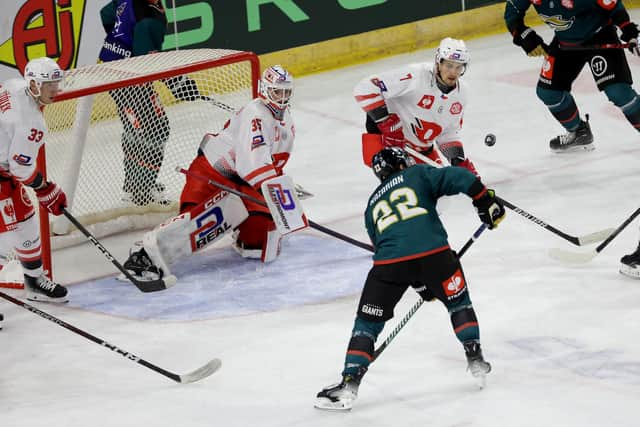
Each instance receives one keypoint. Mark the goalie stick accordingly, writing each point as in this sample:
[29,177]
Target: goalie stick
[144,285]
[576,240]
[419,303]
[200,373]
[312,224]
[570,257]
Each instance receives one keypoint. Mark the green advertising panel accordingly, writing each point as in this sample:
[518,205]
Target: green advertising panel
[264,26]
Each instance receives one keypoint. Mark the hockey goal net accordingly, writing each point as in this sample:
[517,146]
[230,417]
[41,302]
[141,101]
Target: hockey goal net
[119,129]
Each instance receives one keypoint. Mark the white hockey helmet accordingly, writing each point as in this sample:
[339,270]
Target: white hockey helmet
[275,89]
[42,70]
[453,50]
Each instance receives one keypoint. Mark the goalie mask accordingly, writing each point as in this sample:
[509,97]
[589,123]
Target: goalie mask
[275,89]
[46,75]
[453,54]
[389,161]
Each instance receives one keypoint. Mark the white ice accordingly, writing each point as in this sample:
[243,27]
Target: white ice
[563,340]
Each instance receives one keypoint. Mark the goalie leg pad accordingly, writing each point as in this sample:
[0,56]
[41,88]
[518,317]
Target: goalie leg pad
[271,246]
[191,231]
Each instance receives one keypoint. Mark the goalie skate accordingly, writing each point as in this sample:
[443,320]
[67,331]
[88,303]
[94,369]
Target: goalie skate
[141,267]
[338,397]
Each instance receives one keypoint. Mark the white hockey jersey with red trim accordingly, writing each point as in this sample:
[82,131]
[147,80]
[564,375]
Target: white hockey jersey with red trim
[411,92]
[22,131]
[252,145]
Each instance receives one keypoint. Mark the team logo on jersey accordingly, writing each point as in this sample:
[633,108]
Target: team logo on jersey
[257,141]
[568,4]
[22,159]
[372,310]
[426,101]
[456,108]
[536,2]
[598,65]
[211,225]
[454,285]
[5,101]
[558,22]
[380,84]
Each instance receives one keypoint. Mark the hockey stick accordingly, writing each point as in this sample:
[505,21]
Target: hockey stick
[419,303]
[262,203]
[200,373]
[598,46]
[570,257]
[144,285]
[216,103]
[576,240]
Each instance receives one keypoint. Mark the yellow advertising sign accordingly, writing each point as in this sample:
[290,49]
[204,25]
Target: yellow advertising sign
[44,28]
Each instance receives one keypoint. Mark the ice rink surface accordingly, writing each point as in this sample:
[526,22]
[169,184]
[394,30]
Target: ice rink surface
[563,340]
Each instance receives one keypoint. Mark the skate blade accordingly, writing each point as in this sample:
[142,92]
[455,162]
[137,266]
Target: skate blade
[576,149]
[43,298]
[481,381]
[632,272]
[327,405]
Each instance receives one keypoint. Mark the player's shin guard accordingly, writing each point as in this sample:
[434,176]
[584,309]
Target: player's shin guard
[465,323]
[361,346]
[562,106]
[624,97]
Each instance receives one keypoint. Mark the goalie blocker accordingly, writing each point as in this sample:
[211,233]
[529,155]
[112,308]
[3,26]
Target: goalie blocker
[214,218]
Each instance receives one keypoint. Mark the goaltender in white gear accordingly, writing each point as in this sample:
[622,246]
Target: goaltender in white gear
[235,185]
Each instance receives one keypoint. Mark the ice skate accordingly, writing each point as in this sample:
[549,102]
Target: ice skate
[140,265]
[580,139]
[157,195]
[476,364]
[338,397]
[630,264]
[43,289]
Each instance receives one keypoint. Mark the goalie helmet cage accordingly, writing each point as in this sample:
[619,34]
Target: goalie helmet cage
[118,130]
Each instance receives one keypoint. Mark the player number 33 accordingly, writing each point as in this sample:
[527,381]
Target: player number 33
[402,203]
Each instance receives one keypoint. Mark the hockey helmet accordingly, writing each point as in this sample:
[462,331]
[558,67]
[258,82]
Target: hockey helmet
[275,89]
[453,50]
[42,70]
[389,160]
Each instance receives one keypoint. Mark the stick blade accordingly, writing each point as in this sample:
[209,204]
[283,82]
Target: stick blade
[568,257]
[598,236]
[202,372]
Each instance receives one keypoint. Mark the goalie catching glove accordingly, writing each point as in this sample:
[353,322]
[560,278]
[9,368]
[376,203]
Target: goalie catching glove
[52,198]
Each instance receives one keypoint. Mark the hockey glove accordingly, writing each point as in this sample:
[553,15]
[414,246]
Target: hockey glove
[630,35]
[391,129]
[490,210]
[52,198]
[183,88]
[530,42]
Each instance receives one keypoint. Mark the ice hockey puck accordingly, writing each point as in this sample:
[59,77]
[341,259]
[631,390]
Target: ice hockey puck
[490,140]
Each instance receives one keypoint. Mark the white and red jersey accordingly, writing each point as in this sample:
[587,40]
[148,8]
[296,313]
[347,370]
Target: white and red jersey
[22,131]
[253,145]
[428,115]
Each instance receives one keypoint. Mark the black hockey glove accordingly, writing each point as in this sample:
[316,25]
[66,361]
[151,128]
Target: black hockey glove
[183,88]
[530,42]
[490,209]
[630,35]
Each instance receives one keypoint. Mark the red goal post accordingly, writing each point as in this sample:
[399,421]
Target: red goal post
[118,130]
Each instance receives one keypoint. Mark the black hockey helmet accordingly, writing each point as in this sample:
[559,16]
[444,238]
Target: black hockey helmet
[389,160]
